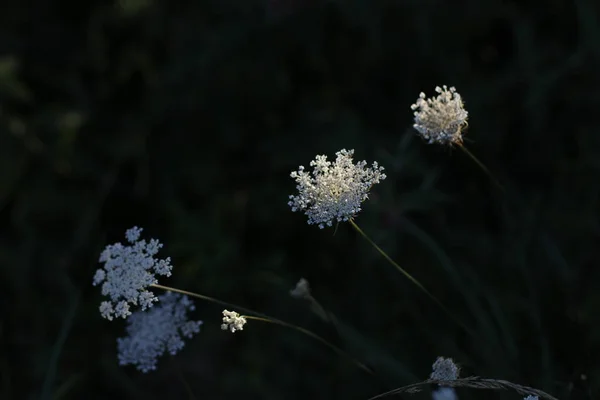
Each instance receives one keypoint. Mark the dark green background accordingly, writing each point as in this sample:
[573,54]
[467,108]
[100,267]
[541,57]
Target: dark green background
[186,119]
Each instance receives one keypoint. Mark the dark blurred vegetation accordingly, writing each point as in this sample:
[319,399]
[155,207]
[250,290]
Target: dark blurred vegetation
[186,119]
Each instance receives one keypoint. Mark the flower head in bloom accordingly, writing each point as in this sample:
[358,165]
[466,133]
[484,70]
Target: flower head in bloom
[444,369]
[158,330]
[127,273]
[444,393]
[531,398]
[302,290]
[233,321]
[335,190]
[440,119]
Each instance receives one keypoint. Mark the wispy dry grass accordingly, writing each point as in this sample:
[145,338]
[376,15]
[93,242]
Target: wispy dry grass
[473,382]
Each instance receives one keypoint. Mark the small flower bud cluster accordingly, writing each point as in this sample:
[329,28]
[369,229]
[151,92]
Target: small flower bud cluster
[233,321]
[127,273]
[440,119]
[156,331]
[335,190]
[302,290]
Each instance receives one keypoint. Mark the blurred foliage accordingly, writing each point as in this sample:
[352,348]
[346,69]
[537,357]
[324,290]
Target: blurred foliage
[187,118]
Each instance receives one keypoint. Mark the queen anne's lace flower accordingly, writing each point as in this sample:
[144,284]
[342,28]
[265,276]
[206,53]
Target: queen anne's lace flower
[444,369]
[531,398]
[153,332]
[334,191]
[233,321]
[128,271]
[440,119]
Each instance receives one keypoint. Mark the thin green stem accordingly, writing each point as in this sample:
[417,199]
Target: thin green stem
[407,275]
[211,299]
[318,308]
[314,336]
[483,167]
[326,316]
[265,318]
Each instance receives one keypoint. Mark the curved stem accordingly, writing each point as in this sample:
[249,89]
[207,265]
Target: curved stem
[211,299]
[265,318]
[406,274]
[483,167]
[314,336]
[318,308]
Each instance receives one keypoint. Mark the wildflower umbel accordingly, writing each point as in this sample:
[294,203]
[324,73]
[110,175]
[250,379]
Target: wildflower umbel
[127,273]
[335,190]
[531,398]
[156,331]
[233,321]
[444,369]
[440,119]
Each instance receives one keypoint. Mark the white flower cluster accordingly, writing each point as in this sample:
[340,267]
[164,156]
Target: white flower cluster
[335,190]
[531,398]
[128,271]
[444,369]
[156,331]
[440,119]
[233,321]
[444,393]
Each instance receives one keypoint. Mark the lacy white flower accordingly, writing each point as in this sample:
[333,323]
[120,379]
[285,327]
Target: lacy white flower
[233,321]
[334,191]
[444,369]
[127,273]
[531,398]
[444,393]
[302,290]
[158,330]
[440,119]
